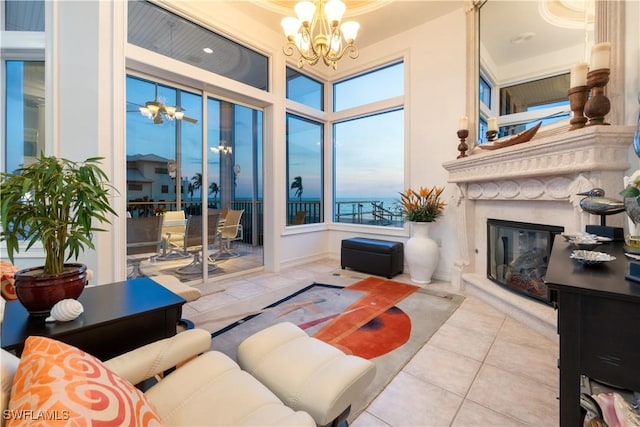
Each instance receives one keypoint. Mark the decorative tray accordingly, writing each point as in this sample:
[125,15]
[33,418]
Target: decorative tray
[570,237]
[591,257]
[523,136]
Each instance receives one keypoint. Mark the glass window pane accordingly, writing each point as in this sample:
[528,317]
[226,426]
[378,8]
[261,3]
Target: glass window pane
[156,29]
[24,113]
[369,169]
[304,90]
[485,92]
[304,170]
[377,85]
[24,15]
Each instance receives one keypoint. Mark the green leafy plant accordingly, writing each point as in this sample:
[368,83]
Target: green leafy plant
[423,205]
[55,201]
[632,186]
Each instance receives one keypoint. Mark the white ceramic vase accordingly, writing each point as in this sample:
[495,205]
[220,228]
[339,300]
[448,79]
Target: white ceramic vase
[421,253]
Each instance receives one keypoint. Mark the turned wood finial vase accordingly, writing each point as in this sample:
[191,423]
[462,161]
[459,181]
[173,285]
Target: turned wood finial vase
[421,253]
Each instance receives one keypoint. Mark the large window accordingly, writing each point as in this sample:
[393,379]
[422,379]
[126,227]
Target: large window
[305,142]
[304,170]
[368,148]
[24,113]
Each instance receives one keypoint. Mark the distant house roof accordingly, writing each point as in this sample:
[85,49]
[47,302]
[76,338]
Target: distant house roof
[147,158]
[134,175]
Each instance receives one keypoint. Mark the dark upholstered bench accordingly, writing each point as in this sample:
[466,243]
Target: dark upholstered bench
[373,256]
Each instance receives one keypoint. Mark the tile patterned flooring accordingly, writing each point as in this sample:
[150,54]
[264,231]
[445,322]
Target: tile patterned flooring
[482,368]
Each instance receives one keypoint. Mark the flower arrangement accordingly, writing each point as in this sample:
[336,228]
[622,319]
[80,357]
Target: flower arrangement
[632,186]
[424,205]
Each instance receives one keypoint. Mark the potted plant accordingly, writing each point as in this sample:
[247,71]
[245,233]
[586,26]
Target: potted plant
[421,252]
[54,201]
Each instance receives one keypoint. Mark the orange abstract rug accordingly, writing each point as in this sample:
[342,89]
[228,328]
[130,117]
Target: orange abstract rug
[383,320]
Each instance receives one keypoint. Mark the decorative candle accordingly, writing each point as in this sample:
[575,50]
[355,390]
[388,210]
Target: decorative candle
[600,54]
[579,75]
[492,123]
[463,124]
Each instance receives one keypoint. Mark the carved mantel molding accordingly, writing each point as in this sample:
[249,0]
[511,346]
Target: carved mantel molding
[596,148]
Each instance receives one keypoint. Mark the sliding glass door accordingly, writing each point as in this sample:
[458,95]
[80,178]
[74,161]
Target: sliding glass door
[169,170]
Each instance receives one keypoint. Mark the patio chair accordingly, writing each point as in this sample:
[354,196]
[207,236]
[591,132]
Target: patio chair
[230,230]
[193,243]
[299,218]
[173,229]
[144,236]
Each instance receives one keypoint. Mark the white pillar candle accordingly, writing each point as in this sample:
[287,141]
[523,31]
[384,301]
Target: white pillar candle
[492,123]
[579,75]
[600,56]
[463,124]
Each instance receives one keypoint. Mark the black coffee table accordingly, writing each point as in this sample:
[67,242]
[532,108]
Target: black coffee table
[117,317]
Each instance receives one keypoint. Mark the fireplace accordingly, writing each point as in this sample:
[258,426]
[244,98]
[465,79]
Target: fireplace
[538,183]
[518,255]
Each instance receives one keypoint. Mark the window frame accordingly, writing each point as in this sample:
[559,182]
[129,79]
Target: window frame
[377,107]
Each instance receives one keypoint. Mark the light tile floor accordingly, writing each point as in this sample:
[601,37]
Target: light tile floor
[482,368]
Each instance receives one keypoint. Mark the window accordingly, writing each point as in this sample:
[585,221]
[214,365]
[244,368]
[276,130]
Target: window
[485,92]
[161,31]
[525,104]
[304,90]
[23,15]
[304,170]
[377,85]
[24,113]
[369,174]
[368,148]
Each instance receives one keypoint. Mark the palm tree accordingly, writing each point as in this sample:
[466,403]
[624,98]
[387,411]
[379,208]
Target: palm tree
[297,184]
[214,189]
[197,181]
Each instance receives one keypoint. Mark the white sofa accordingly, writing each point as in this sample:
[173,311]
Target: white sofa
[289,379]
[209,389]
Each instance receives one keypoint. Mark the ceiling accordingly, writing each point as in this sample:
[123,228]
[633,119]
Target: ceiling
[379,19]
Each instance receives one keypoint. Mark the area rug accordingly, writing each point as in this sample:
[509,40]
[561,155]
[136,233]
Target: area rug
[382,320]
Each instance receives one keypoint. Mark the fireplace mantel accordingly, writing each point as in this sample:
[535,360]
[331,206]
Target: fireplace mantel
[595,148]
[535,182]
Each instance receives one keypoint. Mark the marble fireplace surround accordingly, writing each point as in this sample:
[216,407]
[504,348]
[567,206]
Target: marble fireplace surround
[534,182]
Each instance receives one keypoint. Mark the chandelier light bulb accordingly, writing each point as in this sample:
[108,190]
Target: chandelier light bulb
[350,31]
[290,25]
[170,111]
[334,9]
[305,11]
[145,112]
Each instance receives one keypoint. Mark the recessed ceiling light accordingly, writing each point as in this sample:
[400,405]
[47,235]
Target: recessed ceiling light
[521,38]
[207,50]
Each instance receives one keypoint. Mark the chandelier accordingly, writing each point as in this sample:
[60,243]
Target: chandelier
[156,110]
[317,34]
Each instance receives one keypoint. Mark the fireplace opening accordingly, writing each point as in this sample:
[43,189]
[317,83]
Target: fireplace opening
[518,255]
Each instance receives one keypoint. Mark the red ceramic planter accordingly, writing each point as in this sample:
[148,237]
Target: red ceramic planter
[39,292]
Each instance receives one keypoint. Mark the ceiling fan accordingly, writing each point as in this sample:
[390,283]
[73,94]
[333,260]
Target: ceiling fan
[158,111]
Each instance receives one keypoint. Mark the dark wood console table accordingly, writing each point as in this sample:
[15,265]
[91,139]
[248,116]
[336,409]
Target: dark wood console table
[598,323]
[117,317]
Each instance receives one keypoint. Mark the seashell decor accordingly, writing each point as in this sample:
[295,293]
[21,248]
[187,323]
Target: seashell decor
[65,310]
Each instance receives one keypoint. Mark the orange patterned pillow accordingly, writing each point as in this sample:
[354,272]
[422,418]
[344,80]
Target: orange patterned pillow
[7,271]
[58,384]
